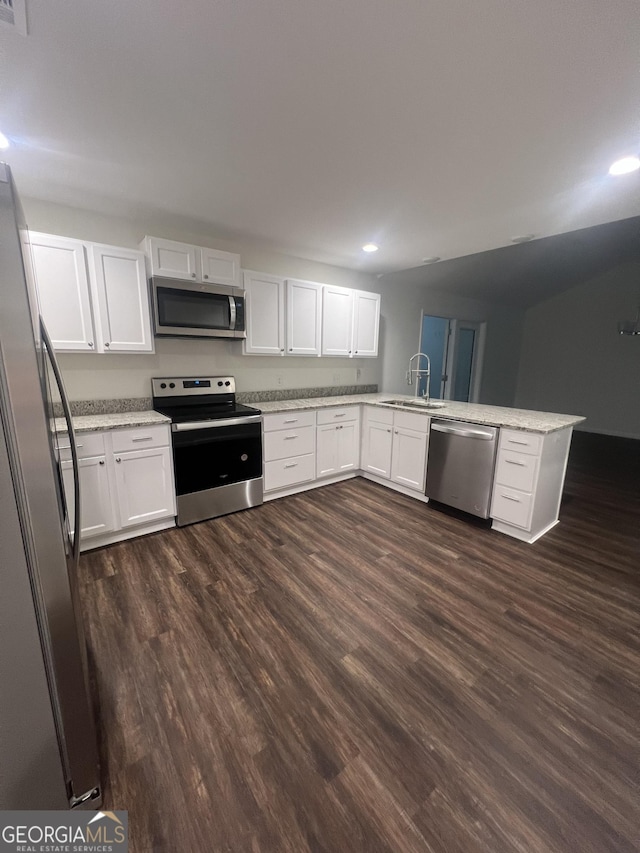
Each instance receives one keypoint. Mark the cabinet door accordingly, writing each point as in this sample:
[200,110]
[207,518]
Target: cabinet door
[62,282]
[348,447]
[366,322]
[409,465]
[377,449]
[144,482]
[96,513]
[337,321]
[327,450]
[219,267]
[119,287]
[304,313]
[175,260]
[264,314]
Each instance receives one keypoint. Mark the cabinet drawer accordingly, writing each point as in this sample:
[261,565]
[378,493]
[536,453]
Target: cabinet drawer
[411,420]
[521,442]
[88,444]
[512,506]
[288,472]
[516,470]
[289,442]
[140,438]
[338,416]
[285,420]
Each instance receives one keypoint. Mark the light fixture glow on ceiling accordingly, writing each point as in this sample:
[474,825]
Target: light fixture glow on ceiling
[4,142]
[624,166]
[370,247]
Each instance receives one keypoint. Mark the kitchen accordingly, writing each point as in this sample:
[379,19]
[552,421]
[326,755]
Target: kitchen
[307,608]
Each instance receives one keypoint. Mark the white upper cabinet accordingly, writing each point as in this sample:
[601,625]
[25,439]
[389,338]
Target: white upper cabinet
[304,317]
[337,320]
[219,267]
[92,298]
[264,311]
[62,282]
[366,323]
[119,288]
[193,263]
[171,259]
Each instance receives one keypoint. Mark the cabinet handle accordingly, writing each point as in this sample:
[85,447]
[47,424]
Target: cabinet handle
[513,462]
[510,498]
[107,344]
[396,431]
[291,421]
[193,275]
[388,430]
[90,343]
[290,349]
[68,446]
[339,414]
[291,465]
[289,437]
[146,438]
[282,350]
[349,352]
[517,441]
[101,462]
[206,276]
[118,459]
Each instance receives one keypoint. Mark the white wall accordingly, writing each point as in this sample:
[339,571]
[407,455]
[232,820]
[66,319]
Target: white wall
[573,360]
[95,376]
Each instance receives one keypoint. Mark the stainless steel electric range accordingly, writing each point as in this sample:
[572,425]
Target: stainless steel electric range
[217,445]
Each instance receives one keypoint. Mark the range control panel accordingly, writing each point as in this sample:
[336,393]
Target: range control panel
[188,386]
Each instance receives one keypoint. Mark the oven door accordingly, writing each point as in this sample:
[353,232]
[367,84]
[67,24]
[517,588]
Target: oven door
[218,469]
[186,309]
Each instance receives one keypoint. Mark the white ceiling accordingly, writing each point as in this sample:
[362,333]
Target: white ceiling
[433,128]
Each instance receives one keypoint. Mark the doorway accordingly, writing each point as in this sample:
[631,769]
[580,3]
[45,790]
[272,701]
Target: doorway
[455,348]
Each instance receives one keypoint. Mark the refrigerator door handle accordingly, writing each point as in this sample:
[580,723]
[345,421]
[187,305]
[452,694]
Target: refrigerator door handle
[72,441]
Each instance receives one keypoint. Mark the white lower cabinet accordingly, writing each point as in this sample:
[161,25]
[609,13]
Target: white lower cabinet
[395,446]
[96,509]
[144,485]
[338,441]
[289,450]
[126,483]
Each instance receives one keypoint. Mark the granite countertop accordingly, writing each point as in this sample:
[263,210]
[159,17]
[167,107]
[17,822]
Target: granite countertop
[92,423]
[520,419]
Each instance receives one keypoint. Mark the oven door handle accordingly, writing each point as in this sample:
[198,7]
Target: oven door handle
[232,313]
[193,425]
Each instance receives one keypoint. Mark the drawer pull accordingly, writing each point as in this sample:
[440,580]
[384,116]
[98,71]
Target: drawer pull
[68,446]
[340,415]
[511,498]
[146,438]
[291,421]
[513,462]
[291,465]
[289,437]
[518,441]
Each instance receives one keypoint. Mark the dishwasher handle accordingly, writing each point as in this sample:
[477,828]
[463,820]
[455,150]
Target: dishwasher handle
[479,434]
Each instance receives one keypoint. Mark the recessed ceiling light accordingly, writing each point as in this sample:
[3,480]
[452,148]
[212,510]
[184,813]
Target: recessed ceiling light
[522,238]
[4,142]
[370,247]
[431,260]
[624,166]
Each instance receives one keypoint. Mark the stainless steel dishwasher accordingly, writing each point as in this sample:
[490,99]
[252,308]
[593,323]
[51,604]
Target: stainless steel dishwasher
[460,465]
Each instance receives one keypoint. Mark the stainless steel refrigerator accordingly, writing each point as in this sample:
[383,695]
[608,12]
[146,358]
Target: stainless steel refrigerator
[48,745]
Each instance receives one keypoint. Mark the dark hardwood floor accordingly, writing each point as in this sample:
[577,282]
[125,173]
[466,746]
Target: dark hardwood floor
[348,670]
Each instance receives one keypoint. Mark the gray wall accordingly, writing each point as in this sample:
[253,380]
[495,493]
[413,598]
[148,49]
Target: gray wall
[94,376]
[573,360]
[403,305]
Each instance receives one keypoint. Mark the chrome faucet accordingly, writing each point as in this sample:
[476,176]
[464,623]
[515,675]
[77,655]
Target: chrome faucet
[419,373]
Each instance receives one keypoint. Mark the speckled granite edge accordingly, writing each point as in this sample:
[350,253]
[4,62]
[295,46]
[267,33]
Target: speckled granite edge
[80,408]
[111,420]
[278,394]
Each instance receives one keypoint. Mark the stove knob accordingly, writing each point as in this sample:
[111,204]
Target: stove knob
[172,385]
[227,382]
[220,384]
[163,384]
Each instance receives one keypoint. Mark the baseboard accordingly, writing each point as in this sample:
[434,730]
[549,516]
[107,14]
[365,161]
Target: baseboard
[396,487]
[522,535]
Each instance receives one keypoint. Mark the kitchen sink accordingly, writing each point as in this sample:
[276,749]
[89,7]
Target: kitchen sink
[416,404]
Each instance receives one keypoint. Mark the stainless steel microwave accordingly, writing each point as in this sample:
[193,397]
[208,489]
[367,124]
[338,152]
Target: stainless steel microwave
[185,309]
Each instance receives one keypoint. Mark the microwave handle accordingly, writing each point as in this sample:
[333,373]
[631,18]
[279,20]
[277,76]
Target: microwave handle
[232,313]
